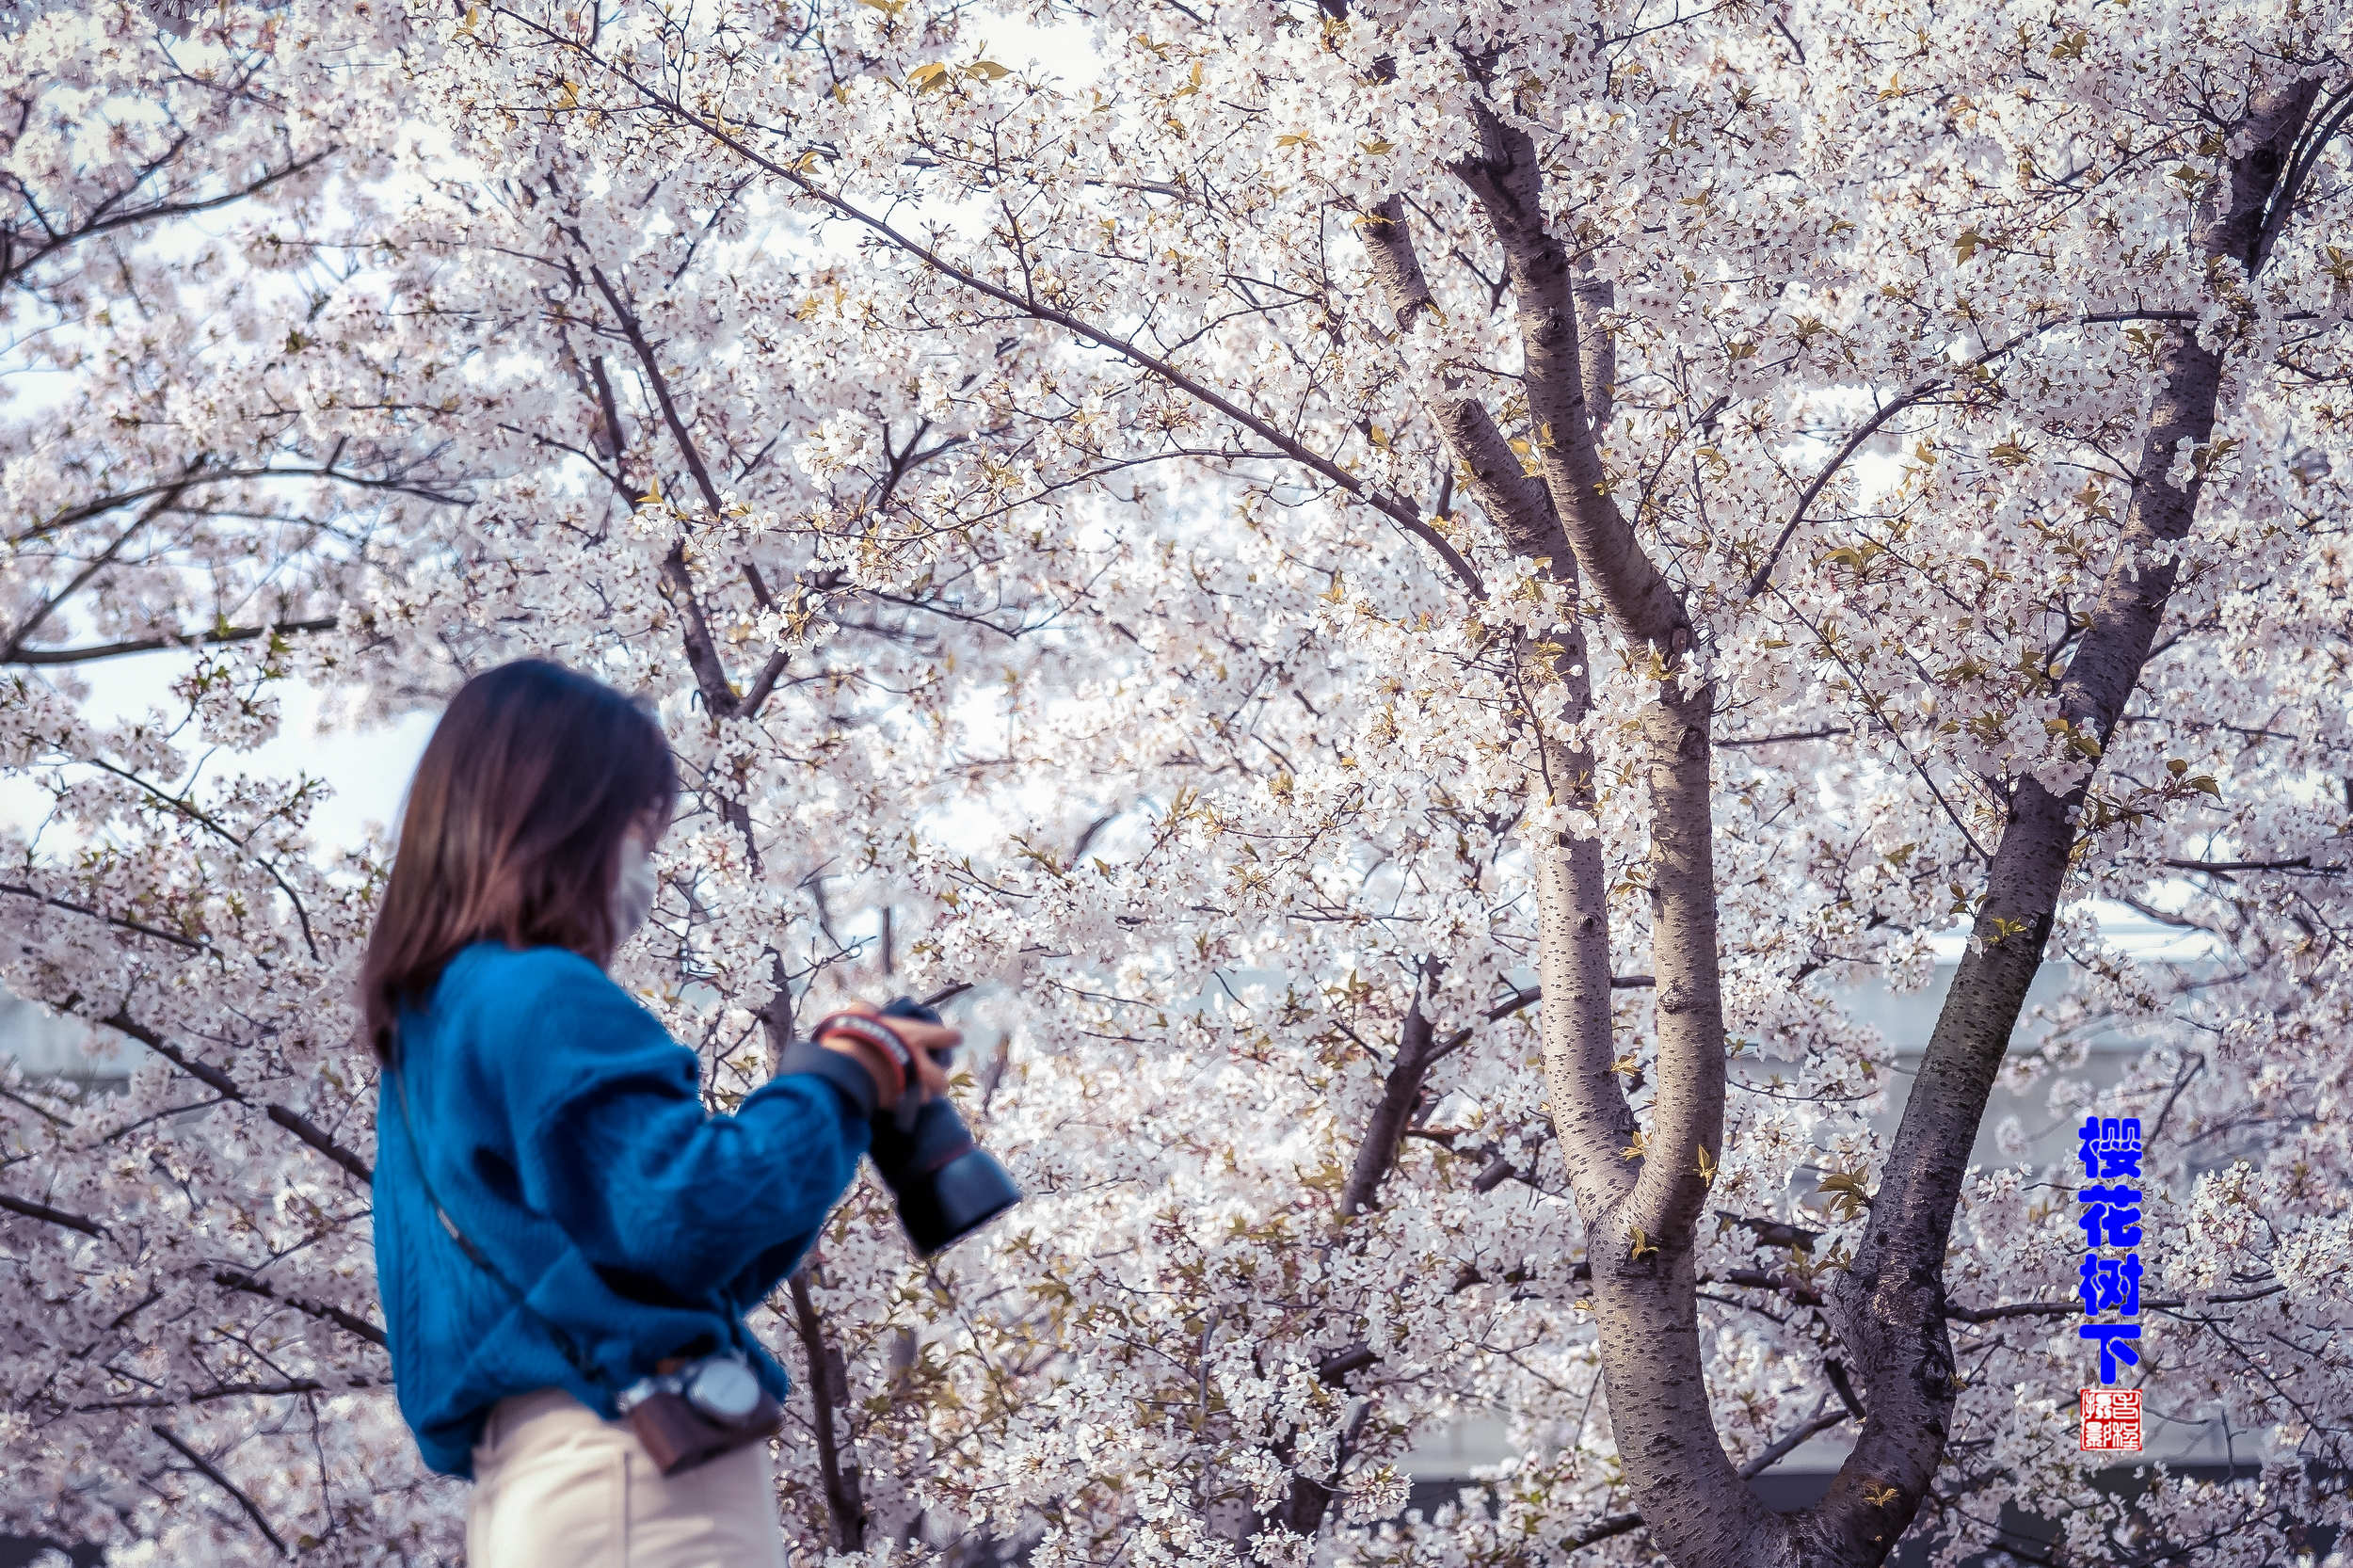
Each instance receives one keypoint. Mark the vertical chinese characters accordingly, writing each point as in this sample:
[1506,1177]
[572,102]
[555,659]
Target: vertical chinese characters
[2109,1283]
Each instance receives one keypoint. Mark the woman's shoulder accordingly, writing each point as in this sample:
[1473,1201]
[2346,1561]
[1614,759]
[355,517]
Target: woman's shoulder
[527,982]
[553,1017]
[492,960]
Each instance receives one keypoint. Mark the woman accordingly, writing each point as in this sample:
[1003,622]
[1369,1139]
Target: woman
[557,1217]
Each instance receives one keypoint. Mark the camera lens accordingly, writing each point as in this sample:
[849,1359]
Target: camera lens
[947,1186]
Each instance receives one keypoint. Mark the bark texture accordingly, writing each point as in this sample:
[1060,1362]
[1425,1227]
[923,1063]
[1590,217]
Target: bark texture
[1589,1105]
[1507,183]
[1640,1243]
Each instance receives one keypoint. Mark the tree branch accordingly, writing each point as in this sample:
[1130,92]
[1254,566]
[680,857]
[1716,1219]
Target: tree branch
[1607,1527]
[204,1072]
[1911,397]
[2227,868]
[47,1215]
[176,639]
[702,651]
[161,210]
[48,607]
[227,1279]
[2007,1310]
[103,505]
[829,1399]
[1590,1107]
[231,1279]
[1506,180]
[650,363]
[1782,1446]
[702,648]
[1404,513]
[1889,1306]
[1597,347]
[1642,1242]
[1401,1091]
[186,944]
[1762,578]
[212,1472]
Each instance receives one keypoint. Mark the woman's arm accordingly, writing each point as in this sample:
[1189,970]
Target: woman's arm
[612,1140]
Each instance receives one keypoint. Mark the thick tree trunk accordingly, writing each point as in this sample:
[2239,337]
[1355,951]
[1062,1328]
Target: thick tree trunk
[1639,1242]
[1698,1509]
[1687,1115]
[1641,1212]
[1589,1105]
[1889,1306]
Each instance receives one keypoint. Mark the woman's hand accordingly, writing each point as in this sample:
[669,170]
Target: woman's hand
[927,1080]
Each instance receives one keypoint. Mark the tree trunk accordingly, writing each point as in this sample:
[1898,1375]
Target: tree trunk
[1888,1307]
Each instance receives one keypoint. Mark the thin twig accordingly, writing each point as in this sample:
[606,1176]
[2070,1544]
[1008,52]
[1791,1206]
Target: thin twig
[1399,510]
[212,1473]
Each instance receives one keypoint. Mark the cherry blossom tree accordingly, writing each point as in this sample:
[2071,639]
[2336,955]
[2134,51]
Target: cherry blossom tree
[1411,595]
[340,408]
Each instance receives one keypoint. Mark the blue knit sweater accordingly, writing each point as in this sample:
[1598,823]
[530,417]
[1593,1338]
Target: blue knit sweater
[563,1132]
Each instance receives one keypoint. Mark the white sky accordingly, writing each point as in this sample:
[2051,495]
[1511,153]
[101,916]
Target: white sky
[367,770]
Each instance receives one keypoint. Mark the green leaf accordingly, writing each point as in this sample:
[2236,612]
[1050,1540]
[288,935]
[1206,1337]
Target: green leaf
[1845,1191]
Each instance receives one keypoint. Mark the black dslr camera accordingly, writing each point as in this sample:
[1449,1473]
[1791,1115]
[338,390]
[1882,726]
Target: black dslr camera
[946,1185]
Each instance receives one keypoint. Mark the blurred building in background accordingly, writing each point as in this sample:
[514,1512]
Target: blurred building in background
[46,1046]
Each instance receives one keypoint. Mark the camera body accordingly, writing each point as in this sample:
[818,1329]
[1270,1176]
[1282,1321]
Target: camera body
[947,1187]
[691,1412]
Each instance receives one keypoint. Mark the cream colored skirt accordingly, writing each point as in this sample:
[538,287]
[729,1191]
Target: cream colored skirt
[556,1486]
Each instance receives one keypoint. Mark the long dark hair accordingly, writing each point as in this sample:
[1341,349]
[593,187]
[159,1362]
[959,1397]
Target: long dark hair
[513,829]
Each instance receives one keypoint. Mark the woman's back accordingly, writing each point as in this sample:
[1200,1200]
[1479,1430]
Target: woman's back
[562,1133]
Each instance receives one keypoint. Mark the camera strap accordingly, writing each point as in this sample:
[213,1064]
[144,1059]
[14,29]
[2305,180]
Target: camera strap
[564,1343]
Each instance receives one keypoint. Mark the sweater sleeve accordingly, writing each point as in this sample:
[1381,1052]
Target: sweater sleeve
[612,1142]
